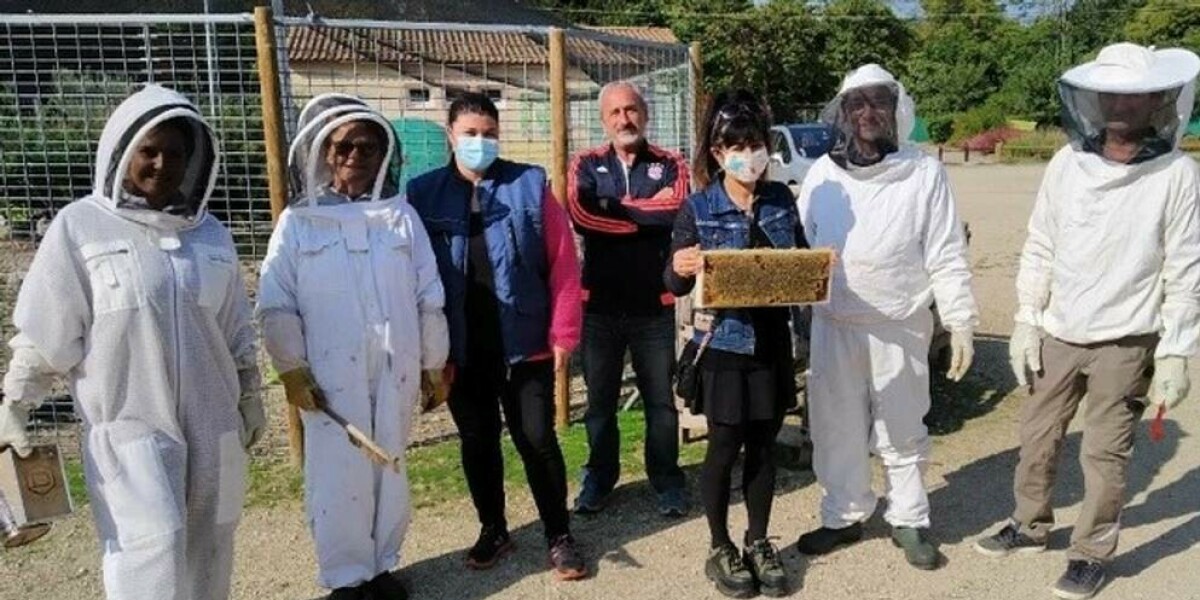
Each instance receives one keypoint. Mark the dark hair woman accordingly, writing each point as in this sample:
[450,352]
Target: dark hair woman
[745,362]
[507,260]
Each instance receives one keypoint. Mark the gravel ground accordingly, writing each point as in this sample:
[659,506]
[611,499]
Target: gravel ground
[635,555]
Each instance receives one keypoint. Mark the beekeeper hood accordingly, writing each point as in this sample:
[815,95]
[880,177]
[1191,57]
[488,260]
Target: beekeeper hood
[307,157]
[871,105]
[1139,92]
[313,116]
[128,126]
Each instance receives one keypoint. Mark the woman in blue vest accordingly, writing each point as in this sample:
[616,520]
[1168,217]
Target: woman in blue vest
[507,260]
[745,362]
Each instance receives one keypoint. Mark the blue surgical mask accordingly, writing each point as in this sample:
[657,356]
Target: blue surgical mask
[476,152]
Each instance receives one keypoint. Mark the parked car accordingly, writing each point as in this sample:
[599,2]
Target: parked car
[794,148]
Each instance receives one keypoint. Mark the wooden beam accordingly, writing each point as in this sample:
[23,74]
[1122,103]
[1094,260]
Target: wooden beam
[558,180]
[276,155]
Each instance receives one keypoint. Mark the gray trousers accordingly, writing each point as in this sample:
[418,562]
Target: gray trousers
[1114,377]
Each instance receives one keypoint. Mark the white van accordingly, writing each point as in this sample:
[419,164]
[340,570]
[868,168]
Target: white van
[794,148]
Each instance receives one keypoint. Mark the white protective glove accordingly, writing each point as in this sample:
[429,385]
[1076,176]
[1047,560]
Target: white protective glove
[1025,351]
[14,418]
[1170,384]
[962,353]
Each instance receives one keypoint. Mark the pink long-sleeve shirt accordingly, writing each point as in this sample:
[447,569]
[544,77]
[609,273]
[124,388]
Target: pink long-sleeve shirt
[566,299]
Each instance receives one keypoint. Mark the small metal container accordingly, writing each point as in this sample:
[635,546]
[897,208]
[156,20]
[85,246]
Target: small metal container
[33,491]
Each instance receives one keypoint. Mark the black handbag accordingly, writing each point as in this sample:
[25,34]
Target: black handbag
[687,375]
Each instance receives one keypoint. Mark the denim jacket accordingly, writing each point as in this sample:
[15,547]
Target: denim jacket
[711,219]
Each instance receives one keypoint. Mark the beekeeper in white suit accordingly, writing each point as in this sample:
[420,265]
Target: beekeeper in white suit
[1109,287]
[887,210]
[351,308]
[135,298]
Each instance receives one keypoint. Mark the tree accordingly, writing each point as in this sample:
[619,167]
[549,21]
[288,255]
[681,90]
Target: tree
[774,50]
[691,19]
[864,31]
[979,16]
[1166,23]
[953,70]
[608,12]
[1093,24]
[1030,68]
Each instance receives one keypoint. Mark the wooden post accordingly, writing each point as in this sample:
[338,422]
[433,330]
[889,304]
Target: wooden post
[273,138]
[558,179]
[699,99]
[691,427]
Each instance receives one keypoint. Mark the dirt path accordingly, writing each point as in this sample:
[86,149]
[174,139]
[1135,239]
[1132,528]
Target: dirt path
[636,555]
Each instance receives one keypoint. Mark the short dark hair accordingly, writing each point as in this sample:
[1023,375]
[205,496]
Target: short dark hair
[734,118]
[472,103]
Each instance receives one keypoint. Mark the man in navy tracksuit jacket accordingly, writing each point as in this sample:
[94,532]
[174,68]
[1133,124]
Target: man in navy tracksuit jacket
[623,198]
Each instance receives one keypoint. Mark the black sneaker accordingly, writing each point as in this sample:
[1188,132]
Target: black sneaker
[1081,581]
[386,586]
[826,540]
[493,544]
[565,559]
[348,593]
[763,559]
[673,503]
[1007,541]
[729,572]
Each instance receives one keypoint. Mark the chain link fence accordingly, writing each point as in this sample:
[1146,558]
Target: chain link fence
[60,78]
[62,75]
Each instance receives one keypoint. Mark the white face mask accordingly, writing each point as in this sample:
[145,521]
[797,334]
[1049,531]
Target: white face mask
[746,166]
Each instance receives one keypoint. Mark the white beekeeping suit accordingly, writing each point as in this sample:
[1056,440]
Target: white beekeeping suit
[892,221]
[350,290]
[145,314]
[1113,248]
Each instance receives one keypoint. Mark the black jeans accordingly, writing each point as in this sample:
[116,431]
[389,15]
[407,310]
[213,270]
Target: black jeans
[526,392]
[651,342]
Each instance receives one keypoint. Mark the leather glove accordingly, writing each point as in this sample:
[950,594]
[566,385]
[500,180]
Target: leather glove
[1170,384]
[1025,351]
[254,419]
[301,389]
[435,390]
[962,353]
[13,421]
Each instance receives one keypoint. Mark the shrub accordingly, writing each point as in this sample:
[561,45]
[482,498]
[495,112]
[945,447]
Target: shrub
[977,120]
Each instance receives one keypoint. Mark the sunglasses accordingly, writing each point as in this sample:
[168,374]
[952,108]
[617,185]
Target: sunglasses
[365,149]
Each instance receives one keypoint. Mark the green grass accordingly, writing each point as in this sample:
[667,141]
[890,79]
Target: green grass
[435,472]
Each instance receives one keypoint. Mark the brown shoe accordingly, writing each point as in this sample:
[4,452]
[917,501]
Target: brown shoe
[565,559]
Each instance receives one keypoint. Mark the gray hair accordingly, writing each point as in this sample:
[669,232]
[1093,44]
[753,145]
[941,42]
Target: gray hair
[623,83]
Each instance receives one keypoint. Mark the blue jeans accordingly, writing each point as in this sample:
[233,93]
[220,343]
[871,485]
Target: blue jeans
[651,342]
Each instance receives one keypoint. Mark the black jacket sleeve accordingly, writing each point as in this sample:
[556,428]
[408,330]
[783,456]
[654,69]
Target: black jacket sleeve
[682,236]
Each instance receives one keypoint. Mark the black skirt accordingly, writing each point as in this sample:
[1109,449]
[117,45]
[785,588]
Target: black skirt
[736,388]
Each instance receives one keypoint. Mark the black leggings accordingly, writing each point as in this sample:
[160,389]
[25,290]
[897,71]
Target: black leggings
[758,476]
[526,392]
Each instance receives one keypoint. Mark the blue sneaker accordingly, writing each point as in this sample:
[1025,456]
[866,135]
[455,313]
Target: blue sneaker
[674,503]
[590,499]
